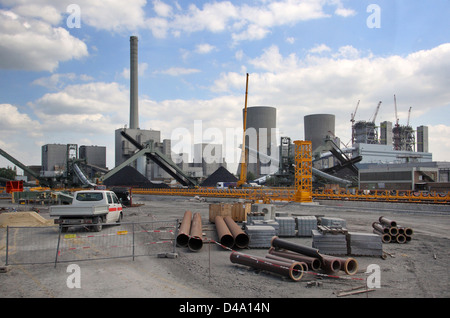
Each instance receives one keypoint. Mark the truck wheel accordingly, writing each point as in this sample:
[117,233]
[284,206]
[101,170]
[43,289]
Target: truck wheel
[98,226]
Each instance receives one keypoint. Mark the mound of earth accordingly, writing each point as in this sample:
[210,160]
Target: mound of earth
[23,219]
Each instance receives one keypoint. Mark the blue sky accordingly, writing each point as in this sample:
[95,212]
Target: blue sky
[60,84]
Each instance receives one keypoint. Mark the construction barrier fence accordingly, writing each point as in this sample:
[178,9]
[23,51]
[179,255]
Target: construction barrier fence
[53,244]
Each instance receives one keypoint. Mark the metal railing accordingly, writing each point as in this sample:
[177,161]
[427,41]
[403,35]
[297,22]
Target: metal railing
[53,244]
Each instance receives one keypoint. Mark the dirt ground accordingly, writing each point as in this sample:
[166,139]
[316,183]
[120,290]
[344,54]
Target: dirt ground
[417,269]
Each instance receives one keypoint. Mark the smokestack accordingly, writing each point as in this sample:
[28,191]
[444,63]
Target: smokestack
[134,107]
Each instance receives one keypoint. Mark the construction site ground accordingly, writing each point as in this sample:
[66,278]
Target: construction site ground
[417,269]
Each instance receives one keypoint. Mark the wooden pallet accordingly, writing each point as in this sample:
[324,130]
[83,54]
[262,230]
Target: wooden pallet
[332,230]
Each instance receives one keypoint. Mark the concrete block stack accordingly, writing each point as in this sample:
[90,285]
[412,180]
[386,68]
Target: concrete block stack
[305,224]
[286,226]
[272,223]
[333,222]
[259,235]
[327,243]
[364,244]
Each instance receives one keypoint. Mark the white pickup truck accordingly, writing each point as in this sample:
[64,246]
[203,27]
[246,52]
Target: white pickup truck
[89,207]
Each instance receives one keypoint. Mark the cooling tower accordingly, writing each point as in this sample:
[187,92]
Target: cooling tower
[134,107]
[317,127]
[261,137]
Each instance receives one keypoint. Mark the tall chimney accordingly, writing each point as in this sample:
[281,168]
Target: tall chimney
[134,107]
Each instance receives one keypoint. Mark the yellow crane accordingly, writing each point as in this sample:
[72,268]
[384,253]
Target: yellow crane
[243,176]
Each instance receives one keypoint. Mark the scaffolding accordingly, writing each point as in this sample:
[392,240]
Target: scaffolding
[303,171]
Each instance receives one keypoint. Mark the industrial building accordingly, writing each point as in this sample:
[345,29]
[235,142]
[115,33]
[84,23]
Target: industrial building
[423,176]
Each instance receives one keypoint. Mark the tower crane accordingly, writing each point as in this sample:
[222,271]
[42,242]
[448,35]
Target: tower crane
[376,112]
[409,115]
[396,116]
[353,122]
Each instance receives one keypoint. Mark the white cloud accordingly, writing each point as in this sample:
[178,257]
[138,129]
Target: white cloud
[177,71]
[58,81]
[33,44]
[320,48]
[204,48]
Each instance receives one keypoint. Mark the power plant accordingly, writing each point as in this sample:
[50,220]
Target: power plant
[268,158]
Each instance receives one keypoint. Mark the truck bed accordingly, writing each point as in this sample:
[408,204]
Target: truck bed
[74,211]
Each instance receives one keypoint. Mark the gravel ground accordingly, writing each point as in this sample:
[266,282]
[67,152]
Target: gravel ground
[417,269]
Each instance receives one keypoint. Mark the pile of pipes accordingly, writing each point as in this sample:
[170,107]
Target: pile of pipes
[190,232]
[229,233]
[390,232]
[293,260]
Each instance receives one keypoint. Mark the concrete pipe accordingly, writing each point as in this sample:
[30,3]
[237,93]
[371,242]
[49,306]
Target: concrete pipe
[224,234]
[400,239]
[348,265]
[292,270]
[184,230]
[393,231]
[287,245]
[312,262]
[386,221]
[330,264]
[241,239]
[380,228]
[408,231]
[385,237]
[195,242]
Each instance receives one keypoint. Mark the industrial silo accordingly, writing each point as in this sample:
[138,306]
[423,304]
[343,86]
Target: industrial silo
[261,139]
[317,127]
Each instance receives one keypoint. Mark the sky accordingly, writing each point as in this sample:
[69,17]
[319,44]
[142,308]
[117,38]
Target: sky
[64,68]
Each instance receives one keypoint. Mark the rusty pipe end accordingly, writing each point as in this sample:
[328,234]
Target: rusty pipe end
[400,239]
[182,239]
[296,271]
[195,243]
[227,241]
[408,231]
[350,266]
[242,240]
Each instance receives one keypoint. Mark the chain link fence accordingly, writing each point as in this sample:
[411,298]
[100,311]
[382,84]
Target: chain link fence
[52,244]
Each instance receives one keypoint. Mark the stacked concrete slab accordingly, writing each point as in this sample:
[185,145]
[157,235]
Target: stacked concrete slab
[305,225]
[260,236]
[271,223]
[331,244]
[286,226]
[365,244]
[333,222]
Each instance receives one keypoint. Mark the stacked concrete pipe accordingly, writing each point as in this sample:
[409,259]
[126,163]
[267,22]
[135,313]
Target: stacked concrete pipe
[390,231]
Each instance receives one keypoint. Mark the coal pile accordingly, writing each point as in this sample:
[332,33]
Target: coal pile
[130,177]
[220,175]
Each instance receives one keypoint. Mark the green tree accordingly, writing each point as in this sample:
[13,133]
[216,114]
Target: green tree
[8,173]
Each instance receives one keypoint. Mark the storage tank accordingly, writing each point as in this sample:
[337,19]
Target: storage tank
[317,127]
[261,123]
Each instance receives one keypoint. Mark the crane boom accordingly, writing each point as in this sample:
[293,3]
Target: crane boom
[243,175]
[376,112]
[409,115]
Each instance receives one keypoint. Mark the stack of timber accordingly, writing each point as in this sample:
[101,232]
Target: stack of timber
[237,211]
